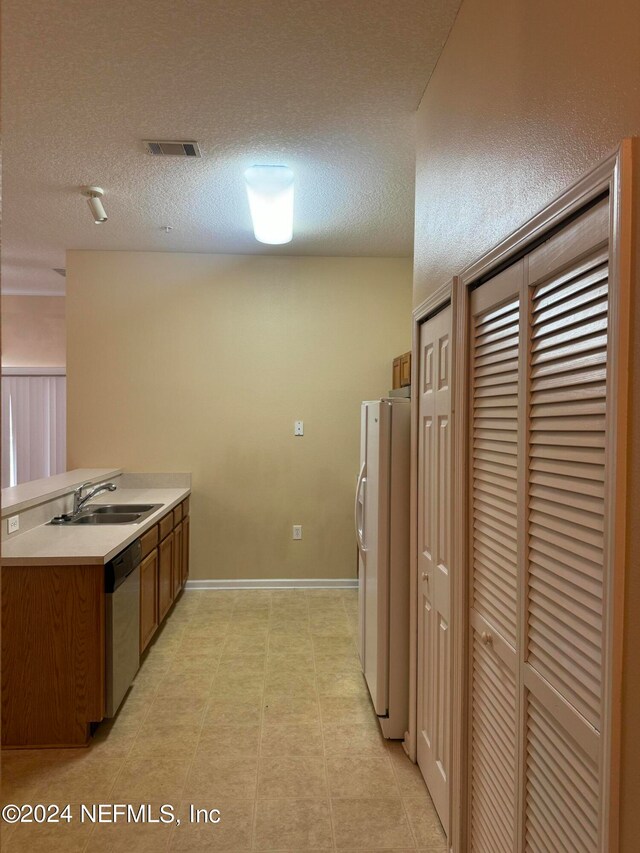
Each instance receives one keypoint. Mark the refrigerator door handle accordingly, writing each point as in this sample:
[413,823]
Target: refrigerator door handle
[359,509]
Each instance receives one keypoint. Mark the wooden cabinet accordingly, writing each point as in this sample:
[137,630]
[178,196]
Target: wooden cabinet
[165,576]
[395,381]
[164,569]
[185,547]
[401,376]
[177,559]
[405,370]
[148,542]
[53,654]
[54,636]
[148,597]
[166,525]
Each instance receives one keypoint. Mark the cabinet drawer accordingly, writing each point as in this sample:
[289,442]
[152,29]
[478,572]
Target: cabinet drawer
[166,525]
[148,541]
[185,507]
[177,514]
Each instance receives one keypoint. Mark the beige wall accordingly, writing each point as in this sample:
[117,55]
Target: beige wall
[201,363]
[525,98]
[33,331]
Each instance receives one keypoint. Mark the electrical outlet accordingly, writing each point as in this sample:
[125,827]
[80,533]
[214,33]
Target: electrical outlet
[13,524]
[298,428]
[297,531]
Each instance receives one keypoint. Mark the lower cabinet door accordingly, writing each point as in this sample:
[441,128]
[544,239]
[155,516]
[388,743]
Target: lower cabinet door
[165,578]
[185,550]
[148,598]
[177,560]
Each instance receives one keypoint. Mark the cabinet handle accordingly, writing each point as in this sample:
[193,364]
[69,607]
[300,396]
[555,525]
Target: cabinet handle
[486,639]
[425,576]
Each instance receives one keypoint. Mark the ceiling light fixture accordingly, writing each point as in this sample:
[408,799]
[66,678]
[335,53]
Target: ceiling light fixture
[270,193]
[94,196]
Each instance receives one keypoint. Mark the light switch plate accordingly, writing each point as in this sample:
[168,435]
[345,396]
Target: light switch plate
[297,531]
[298,428]
[13,524]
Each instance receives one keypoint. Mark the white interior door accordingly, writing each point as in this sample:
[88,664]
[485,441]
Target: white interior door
[540,407]
[434,462]
[564,633]
[493,561]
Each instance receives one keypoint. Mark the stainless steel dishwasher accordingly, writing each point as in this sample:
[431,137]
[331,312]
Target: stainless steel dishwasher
[122,587]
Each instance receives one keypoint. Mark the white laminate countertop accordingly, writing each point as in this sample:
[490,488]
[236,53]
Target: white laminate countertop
[83,545]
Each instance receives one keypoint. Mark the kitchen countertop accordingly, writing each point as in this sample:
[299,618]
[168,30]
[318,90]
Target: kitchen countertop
[18,498]
[83,545]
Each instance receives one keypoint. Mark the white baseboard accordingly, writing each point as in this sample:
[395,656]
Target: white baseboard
[275,583]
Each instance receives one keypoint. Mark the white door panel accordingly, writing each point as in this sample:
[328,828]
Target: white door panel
[434,442]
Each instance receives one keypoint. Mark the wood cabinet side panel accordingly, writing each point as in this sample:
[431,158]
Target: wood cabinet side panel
[177,559]
[185,549]
[53,632]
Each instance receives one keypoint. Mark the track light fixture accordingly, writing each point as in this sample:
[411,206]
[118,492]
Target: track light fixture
[94,196]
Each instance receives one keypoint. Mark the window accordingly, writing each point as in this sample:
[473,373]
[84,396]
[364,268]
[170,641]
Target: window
[33,424]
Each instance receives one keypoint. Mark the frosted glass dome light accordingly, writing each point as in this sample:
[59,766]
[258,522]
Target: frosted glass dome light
[270,194]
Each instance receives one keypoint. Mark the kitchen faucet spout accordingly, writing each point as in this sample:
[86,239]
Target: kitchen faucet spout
[79,500]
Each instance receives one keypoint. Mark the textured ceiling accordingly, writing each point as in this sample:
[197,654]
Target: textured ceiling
[327,87]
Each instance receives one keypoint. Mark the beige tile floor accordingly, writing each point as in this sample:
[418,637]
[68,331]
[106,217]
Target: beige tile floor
[251,702]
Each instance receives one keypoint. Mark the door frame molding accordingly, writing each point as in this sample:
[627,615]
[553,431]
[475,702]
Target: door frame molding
[433,304]
[613,175]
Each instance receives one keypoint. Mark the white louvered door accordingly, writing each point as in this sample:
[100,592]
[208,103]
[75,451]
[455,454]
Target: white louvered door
[493,561]
[565,582]
[538,572]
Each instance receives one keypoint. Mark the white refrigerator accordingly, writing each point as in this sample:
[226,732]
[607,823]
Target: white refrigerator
[382,533]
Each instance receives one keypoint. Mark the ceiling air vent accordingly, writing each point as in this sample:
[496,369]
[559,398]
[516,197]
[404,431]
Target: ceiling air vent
[172,148]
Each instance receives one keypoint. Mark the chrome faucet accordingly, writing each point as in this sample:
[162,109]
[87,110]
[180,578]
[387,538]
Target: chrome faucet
[79,500]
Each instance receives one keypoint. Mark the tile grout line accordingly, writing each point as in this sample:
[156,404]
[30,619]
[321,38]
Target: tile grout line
[404,807]
[254,822]
[174,827]
[324,750]
[130,750]
[393,771]
[278,620]
[204,715]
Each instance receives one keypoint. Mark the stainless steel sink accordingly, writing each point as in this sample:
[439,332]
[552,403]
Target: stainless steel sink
[117,508]
[109,514]
[107,518]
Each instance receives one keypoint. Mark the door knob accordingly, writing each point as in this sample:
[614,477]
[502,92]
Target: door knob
[486,638]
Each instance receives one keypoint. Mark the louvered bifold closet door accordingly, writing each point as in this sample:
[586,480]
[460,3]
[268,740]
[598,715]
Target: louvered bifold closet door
[563,631]
[493,561]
